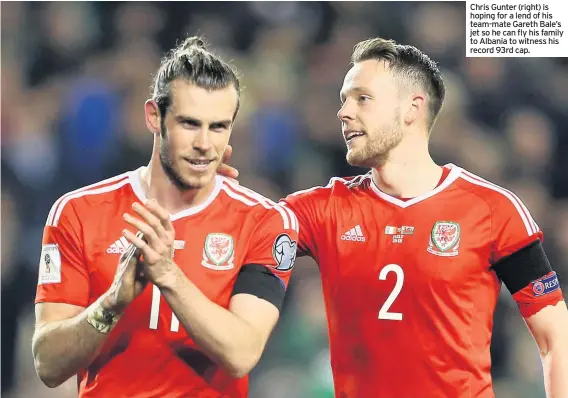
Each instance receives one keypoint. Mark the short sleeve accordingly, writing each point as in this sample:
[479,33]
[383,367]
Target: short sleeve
[63,277]
[274,242]
[513,227]
[309,206]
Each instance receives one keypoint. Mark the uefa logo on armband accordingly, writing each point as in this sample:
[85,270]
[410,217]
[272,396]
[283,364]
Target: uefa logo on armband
[545,285]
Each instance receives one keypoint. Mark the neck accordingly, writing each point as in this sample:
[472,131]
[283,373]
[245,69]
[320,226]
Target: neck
[157,185]
[409,171]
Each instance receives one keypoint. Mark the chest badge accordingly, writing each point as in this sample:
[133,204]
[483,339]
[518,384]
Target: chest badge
[444,239]
[218,252]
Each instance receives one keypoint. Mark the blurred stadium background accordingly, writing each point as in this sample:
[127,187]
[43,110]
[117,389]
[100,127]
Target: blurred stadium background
[74,80]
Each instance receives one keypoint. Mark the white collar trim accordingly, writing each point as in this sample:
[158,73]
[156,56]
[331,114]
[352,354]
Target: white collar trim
[455,172]
[134,179]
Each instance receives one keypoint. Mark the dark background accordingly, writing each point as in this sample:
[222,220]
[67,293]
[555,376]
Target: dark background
[74,80]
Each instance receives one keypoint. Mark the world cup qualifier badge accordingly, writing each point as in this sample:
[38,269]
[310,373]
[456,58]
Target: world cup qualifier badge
[284,252]
[444,239]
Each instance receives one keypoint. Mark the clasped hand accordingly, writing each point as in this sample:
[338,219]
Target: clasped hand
[149,257]
[156,246]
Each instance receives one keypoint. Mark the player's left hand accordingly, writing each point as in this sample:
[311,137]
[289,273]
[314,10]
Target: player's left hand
[157,245]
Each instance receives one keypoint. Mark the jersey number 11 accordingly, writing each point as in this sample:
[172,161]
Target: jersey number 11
[156,298]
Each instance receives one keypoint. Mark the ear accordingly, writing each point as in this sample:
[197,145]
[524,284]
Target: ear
[416,108]
[152,114]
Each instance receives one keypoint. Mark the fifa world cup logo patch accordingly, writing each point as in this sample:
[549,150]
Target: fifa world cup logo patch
[444,239]
[47,260]
[50,264]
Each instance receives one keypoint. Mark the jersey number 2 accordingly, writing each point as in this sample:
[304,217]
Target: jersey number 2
[156,298]
[384,311]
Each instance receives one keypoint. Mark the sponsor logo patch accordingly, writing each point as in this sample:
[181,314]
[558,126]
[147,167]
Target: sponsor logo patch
[546,285]
[355,234]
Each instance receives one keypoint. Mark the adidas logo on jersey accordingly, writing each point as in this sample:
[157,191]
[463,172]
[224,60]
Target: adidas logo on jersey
[118,247]
[354,234]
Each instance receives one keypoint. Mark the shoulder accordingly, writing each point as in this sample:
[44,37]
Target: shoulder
[495,195]
[257,205]
[97,192]
[502,202]
[336,187]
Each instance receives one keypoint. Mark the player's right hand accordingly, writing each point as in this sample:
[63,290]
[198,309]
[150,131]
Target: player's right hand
[129,281]
[224,169]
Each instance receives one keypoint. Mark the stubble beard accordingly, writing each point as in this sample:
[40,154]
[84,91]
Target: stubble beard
[168,165]
[377,149]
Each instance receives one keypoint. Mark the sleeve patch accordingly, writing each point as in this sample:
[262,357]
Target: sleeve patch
[284,252]
[546,285]
[49,265]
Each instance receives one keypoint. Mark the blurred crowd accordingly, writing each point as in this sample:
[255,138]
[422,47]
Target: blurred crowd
[74,80]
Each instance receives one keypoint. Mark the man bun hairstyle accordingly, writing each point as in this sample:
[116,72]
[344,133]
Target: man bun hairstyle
[193,41]
[410,65]
[194,63]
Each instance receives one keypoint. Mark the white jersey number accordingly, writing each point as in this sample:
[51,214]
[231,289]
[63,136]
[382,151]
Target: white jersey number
[156,298]
[384,311]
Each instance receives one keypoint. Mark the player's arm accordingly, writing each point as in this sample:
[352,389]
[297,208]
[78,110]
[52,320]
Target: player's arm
[69,332]
[549,328]
[529,277]
[309,205]
[64,342]
[521,263]
[233,337]
[311,209]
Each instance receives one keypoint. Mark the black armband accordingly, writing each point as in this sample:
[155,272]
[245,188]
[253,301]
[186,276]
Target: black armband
[522,267]
[259,281]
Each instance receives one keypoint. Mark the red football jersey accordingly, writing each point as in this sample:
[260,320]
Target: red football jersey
[149,354]
[407,284]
